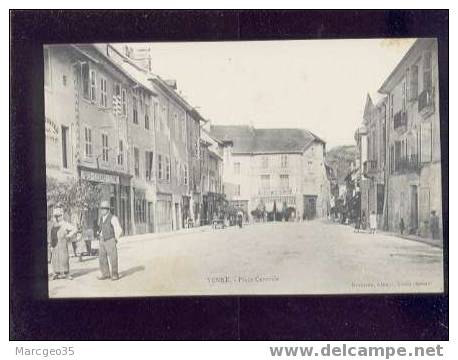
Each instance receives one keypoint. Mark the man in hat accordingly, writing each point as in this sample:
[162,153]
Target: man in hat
[434,225]
[109,233]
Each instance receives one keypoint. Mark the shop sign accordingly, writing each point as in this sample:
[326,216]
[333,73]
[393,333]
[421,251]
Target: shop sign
[99,177]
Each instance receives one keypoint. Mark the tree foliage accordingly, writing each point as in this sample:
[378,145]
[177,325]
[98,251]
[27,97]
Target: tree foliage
[74,196]
[339,159]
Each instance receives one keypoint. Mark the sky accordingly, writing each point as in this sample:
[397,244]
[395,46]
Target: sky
[319,85]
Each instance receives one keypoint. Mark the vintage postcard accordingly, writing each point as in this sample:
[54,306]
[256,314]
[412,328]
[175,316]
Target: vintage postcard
[243,168]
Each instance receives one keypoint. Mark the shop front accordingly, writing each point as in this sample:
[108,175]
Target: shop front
[164,212]
[185,211]
[196,209]
[115,188]
[212,206]
[241,205]
[140,211]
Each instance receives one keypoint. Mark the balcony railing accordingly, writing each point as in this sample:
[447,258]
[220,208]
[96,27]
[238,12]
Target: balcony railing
[426,101]
[275,192]
[400,119]
[407,164]
[369,167]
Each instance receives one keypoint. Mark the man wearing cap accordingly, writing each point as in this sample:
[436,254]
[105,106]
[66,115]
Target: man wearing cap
[109,233]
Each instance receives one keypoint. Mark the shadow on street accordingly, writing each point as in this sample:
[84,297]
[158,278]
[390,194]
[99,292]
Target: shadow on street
[82,272]
[131,271]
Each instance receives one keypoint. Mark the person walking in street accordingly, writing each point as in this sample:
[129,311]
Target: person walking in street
[373,222]
[240,219]
[434,225]
[357,224]
[60,234]
[363,221]
[109,234]
[402,226]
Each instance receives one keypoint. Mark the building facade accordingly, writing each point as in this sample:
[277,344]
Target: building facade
[193,135]
[80,92]
[399,145]
[413,146]
[176,140]
[213,199]
[371,144]
[275,173]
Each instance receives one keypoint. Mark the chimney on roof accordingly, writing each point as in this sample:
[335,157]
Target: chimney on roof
[140,54]
[171,83]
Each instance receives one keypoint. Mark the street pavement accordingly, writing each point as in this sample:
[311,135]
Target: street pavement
[315,257]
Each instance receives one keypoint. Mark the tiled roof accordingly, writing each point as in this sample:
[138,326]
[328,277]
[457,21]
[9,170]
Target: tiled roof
[241,136]
[263,141]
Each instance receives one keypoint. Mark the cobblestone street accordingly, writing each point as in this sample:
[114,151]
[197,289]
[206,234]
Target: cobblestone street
[276,258]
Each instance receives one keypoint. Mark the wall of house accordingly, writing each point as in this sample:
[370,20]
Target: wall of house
[194,170]
[171,146]
[314,179]
[276,192]
[422,135]
[59,91]
[375,146]
[142,134]
[241,180]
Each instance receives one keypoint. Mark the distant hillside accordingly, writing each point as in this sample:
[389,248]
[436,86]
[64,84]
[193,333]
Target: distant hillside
[340,158]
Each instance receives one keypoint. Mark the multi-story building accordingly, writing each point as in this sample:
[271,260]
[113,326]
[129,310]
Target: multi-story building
[194,121]
[173,200]
[177,144]
[211,158]
[371,144]
[413,186]
[87,98]
[278,170]
[141,142]
[171,116]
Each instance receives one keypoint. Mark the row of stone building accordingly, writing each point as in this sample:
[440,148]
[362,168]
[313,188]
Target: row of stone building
[110,121]
[399,145]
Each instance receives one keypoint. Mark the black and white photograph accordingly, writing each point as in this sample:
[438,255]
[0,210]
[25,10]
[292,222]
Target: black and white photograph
[290,167]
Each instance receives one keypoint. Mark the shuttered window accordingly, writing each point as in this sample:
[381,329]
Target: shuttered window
[103,92]
[85,80]
[427,71]
[135,110]
[105,147]
[159,167]
[426,142]
[136,162]
[414,82]
[93,79]
[121,153]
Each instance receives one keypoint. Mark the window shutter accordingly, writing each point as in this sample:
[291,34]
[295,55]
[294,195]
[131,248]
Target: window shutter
[408,83]
[427,73]
[425,131]
[414,83]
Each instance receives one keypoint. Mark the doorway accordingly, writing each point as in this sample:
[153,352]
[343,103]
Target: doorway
[150,217]
[310,207]
[177,217]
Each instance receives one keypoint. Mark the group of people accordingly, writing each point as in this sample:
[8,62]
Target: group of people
[433,224]
[61,233]
[225,221]
[361,222]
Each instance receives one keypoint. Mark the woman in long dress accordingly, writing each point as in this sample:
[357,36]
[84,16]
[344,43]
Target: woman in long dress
[60,234]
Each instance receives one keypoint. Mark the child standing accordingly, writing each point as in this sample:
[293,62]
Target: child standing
[373,222]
